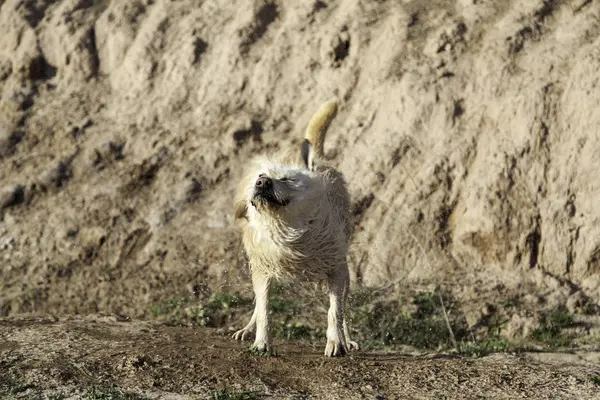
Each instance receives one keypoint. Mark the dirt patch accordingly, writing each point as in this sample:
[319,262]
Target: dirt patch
[98,356]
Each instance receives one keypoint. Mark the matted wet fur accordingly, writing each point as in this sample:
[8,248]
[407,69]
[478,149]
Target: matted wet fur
[294,215]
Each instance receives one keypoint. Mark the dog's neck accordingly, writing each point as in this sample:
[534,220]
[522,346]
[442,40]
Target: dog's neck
[284,229]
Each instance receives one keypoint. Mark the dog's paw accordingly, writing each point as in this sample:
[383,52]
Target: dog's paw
[353,345]
[335,348]
[243,334]
[262,349]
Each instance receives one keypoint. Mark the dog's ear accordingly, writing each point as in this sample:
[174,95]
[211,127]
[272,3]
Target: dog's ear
[241,210]
[308,155]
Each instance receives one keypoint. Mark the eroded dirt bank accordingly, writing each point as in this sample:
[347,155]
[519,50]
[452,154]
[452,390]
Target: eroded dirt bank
[467,132]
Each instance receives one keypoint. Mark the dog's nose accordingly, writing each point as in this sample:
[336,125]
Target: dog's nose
[264,182]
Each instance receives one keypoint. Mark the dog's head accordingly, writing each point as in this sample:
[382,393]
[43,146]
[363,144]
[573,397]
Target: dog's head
[289,193]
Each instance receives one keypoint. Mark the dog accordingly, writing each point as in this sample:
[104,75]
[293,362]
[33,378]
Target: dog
[294,214]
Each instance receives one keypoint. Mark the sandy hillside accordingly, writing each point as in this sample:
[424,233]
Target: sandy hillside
[468,132]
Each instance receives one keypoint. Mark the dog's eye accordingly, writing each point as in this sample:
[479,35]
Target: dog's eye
[286,179]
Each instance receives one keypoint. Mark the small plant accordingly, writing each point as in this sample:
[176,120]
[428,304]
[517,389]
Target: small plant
[13,383]
[224,301]
[550,331]
[282,302]
[111,393]
[426,305]
[280,305]
[363,296]
[214,311]
[56,396]
[168,306]
[295,331]
[262,353]
[511,303]
[224,394]
[591,308]
[485,347]
[387,324]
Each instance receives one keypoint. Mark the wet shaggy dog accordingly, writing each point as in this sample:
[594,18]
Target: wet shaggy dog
[294,215]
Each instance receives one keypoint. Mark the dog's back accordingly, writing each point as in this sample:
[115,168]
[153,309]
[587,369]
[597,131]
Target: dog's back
[310,247]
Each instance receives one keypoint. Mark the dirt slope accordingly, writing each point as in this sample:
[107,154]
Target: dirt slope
[102,358]
[468,133]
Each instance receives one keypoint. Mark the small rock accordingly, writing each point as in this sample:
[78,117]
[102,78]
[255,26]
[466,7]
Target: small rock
[79,128]
[5,69]
[192,190]
[575,302]
[10,137]
[473,318]
[57,176]
[7,243]
[519,327]
[487,310]
[12,196]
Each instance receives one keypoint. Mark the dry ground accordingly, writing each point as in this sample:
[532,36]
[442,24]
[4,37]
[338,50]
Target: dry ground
[102,358]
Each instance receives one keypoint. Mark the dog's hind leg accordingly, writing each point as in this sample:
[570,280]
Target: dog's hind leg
[351,344]
[336,338]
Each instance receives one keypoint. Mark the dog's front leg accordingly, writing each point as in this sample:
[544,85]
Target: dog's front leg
[262,286]
[248,330]
[260,322]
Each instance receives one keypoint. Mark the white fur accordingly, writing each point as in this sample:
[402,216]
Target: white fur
[305,238]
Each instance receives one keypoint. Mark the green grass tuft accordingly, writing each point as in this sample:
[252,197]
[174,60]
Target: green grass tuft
[550,332]
[111,393]
[224,394]
[295,331]
[487,346]
[377,320]
[13,383]
[386,323]
[214,311]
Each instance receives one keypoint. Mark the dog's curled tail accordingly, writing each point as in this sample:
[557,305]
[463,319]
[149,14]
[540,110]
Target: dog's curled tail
[314,138]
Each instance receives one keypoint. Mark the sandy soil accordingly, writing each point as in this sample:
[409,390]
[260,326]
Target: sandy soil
[75,358]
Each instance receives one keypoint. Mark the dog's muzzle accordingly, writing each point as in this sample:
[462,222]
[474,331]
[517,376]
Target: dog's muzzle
[264,183]
[263,192]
